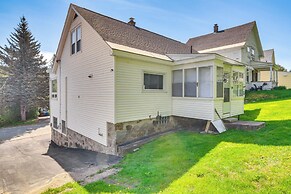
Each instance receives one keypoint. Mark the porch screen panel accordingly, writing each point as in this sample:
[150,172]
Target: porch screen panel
[205,86]
[190,84]
[177,84]
[219,82]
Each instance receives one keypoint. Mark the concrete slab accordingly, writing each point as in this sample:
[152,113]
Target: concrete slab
[245,125]
[29,163]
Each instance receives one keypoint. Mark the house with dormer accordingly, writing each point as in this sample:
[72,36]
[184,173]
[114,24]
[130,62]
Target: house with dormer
[240,43]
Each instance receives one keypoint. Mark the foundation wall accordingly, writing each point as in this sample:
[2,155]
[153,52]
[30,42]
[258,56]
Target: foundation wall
[127,132]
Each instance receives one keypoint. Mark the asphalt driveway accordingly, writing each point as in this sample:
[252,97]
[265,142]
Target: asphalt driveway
[30,163]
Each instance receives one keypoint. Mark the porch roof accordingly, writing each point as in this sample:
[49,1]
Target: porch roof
[261,65]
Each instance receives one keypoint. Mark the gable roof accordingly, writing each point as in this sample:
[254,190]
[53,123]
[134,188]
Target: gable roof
[122,33]
[268,56]
[225,37]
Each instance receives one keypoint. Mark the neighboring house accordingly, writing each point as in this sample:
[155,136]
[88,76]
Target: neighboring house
[240,43]
[113,83]
[283,78]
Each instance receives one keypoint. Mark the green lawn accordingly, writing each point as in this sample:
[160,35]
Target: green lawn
[188,162]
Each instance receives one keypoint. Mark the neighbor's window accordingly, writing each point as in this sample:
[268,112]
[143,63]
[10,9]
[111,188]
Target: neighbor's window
[238,84]
[54,93]
[251,51]
[190,83]
[76,40]
[205,86]
[153,81]
[177,85]
[219,82]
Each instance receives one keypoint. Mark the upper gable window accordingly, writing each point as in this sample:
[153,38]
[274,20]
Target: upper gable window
[76,40]
[251,51]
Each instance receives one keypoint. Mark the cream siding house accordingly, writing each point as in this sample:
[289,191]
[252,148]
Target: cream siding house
[241,43]
[113,83]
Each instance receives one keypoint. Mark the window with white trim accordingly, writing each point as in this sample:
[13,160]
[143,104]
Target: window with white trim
[54,90]
[238,84]
[195,84]
[251,52]
[219,82]
[190,82]
[177,84]
[76,40]
[153,81]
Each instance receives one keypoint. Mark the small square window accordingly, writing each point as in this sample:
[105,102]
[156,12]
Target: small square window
[153,81]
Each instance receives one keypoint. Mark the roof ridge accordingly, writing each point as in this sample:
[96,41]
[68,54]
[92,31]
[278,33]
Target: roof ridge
[223,30]
[129,24]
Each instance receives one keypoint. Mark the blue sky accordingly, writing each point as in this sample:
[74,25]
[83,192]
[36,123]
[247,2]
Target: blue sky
[176,19]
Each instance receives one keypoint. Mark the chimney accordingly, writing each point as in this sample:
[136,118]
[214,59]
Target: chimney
[215,28]
[131,21]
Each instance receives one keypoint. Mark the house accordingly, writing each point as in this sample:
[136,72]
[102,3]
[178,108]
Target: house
[113,83]
[240,43]
[269,74]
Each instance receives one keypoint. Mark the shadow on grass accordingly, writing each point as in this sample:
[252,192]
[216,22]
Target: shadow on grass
[250,115]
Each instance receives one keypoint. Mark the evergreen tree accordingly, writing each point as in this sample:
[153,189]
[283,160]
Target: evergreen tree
[28,78]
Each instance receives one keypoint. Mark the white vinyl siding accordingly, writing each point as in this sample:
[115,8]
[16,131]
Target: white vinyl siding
[90,101]
[132,101]
[193,108]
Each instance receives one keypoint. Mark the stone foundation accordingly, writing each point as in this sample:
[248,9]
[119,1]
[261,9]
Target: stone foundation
[76,140]
[127,132]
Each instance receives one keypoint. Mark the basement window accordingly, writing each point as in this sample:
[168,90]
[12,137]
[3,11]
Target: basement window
[76,40]
[153,81]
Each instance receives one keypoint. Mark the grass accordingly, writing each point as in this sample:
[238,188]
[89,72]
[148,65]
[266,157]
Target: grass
[19,123]
[187,162]
[265,95]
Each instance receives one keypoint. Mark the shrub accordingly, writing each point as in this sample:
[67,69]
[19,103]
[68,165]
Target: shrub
[280,88]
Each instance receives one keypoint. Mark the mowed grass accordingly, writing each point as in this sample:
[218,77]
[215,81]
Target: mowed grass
[188,162]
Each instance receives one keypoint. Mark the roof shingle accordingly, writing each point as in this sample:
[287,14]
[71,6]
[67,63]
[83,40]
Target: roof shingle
[122,33]
[225,37]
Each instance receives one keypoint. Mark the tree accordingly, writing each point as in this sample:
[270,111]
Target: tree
[279,67]
[28,79]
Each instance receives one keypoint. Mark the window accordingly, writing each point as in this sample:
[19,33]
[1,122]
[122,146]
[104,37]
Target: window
[190,83]
[76,40]
[238,84]
[205,87]
[219,82]
[64,129]
[177,85]
[54,93]
[153,81]
[251,51]
[55,122]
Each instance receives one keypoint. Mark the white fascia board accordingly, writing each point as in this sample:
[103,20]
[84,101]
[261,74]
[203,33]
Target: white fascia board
[223,47]
[119,47]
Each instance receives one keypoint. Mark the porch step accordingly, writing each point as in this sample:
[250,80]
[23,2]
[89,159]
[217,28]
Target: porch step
[245,125]
[230,120]
[132,146]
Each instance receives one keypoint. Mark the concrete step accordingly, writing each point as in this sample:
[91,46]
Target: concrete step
[245,125]
[230,120]
[134,146]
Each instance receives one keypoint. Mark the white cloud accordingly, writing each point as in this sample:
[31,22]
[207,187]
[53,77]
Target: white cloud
[47,55]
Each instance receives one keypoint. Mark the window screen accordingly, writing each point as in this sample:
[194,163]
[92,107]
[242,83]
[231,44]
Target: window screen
[64,129]
[205,82]
[153,81]
[177,84]
[190,83]
[219,82]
